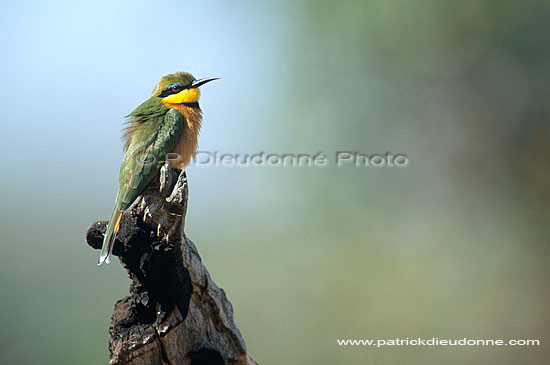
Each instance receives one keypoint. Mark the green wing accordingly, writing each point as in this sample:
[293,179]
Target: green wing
[145,154]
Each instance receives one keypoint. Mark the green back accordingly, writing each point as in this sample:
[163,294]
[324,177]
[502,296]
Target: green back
[155,132]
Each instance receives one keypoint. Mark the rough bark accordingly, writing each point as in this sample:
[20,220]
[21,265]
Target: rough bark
[175,313]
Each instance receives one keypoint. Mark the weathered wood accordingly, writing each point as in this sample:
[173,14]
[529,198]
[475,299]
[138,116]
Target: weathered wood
[175,313]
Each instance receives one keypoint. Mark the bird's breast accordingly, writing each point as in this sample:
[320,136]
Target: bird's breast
[187,144]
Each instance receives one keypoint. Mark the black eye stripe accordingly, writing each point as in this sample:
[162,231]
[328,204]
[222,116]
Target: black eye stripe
[170,90]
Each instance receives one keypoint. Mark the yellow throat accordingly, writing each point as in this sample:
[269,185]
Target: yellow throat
[184,96]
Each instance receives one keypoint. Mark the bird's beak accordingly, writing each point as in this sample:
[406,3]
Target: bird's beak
[201,82]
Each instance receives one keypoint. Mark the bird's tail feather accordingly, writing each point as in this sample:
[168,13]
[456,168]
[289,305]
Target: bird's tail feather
[110,235]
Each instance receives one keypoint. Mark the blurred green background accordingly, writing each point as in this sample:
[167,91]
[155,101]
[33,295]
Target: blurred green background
[454,245]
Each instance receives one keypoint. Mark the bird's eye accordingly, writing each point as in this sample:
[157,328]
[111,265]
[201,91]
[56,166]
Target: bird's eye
[176,88]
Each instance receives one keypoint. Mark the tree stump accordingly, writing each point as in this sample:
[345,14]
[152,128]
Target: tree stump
[175,313]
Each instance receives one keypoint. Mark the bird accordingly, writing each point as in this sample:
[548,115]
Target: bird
[164,128]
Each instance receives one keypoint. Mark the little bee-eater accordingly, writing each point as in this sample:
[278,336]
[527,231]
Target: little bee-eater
[164,128]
